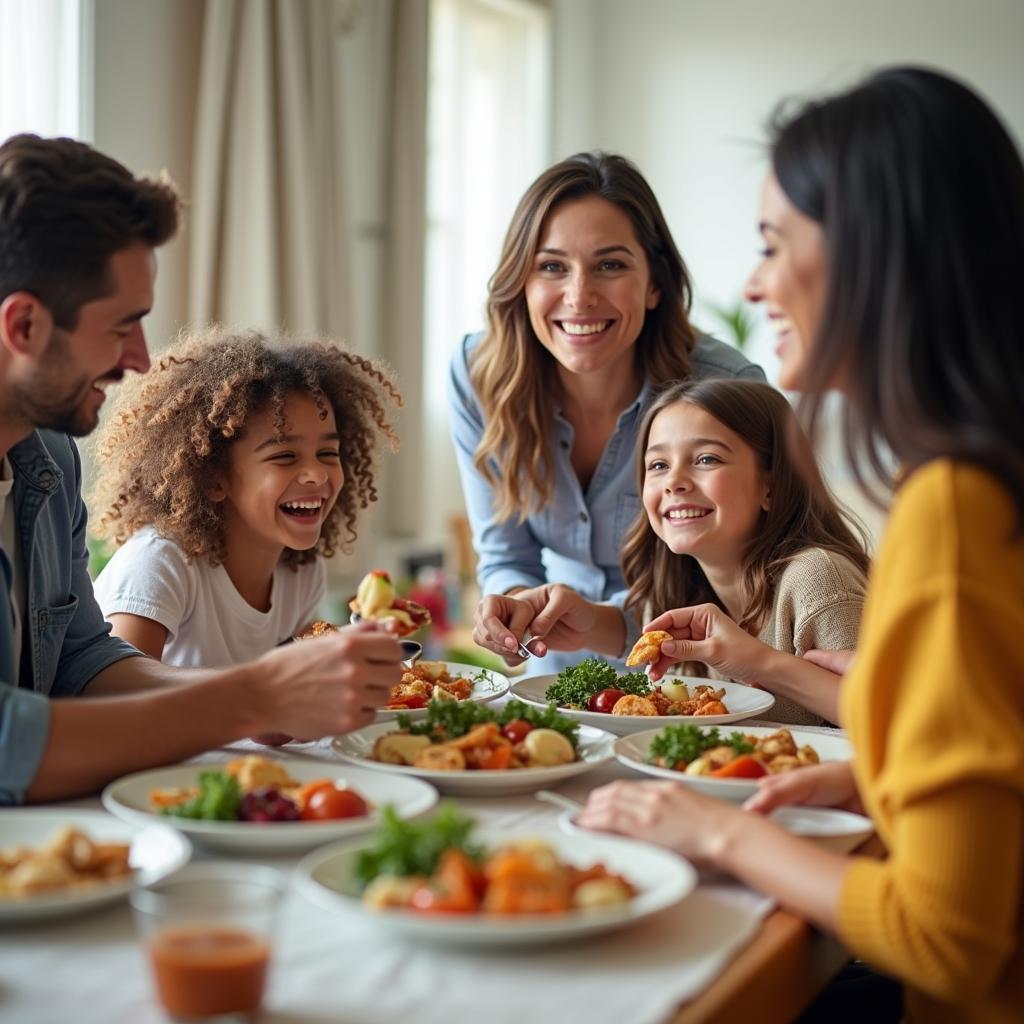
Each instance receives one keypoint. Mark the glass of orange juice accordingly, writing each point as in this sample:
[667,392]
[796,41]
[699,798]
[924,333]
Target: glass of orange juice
[207,932]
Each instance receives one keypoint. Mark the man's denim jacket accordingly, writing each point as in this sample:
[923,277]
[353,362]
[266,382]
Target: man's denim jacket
[64,638]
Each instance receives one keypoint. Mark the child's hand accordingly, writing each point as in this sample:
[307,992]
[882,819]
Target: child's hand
[329,685]
[705,633]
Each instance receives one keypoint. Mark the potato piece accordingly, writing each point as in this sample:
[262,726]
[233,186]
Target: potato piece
[398,748]
[547,748]
[440,757]
[600,892]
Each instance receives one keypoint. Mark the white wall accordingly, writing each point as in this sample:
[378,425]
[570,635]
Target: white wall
[685,87]
[146,73]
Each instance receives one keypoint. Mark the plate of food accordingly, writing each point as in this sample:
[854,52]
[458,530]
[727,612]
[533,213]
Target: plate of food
[476,750]
[57,862]
[594,693]
[446,882]
[426,681]
[727,763]
[257,804]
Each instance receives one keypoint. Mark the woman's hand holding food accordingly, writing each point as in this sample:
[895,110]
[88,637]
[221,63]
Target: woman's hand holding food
[669,814]
[328,685]
[557,617]
[706,634]
[824,785]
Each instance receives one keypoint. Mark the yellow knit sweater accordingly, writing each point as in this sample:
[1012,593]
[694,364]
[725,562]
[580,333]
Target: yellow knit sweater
[935,709]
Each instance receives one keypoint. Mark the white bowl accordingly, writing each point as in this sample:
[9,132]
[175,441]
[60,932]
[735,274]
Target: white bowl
[632,752]
[487,686]
[156,851]
[661,878]
[829,827]
[595,748]
[128,798]
[742,701]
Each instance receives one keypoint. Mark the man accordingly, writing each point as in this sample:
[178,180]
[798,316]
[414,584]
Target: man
[78,234]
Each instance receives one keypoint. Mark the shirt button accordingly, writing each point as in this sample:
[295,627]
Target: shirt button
[565,444]
[44,618]
[584,518]
[46,478]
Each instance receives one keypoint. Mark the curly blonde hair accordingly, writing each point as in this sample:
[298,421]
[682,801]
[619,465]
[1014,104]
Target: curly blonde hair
[166,443]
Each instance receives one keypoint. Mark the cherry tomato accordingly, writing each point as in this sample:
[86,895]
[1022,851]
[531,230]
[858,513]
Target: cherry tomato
[746,766]
[604,700]
[328,803]
[516,730]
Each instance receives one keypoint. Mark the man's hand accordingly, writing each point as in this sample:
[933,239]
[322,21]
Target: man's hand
[329,685]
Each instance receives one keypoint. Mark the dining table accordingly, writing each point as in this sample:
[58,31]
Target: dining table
[725,953]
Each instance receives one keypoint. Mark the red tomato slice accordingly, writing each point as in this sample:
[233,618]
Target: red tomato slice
[746,766]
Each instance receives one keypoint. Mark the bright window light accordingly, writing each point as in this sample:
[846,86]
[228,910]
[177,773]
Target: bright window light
[43,66]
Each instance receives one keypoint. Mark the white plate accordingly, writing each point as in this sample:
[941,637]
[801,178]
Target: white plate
[488,686]
[156,850]
[595,748]
[837,830]
[661,878]
[632,752]
[128,798]
[743,702]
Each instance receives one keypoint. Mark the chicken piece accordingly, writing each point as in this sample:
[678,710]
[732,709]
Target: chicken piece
[398,748]
[631,704]
[647,649]
[712,707]
[255,772]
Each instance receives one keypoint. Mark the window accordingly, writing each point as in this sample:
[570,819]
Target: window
[47,54]
[488,137]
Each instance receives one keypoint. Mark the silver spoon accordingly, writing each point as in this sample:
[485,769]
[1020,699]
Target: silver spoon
[565,802]
[412,650]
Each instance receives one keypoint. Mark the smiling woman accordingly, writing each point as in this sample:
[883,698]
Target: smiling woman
[587,318]
[228,474]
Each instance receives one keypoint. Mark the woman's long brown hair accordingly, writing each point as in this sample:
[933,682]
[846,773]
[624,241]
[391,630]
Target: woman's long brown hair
[512,373]
[801,514]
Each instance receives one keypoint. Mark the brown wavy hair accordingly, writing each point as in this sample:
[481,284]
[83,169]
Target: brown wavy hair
[512,373]
[166,442]
[801,514]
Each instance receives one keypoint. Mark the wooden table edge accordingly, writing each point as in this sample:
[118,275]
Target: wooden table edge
[775,976]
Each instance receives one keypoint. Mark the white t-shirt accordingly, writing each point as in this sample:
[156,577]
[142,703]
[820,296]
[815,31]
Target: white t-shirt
[209,624]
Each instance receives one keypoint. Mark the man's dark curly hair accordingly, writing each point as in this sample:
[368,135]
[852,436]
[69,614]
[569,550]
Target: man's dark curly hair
[166,442]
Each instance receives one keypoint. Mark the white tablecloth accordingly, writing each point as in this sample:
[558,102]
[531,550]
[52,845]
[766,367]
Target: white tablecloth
[331,968]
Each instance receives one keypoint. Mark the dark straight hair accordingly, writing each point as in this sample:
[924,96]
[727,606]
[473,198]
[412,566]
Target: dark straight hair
[919,190]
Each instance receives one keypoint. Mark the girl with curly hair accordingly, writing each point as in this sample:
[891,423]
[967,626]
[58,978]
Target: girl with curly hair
[227,475]
[736,521]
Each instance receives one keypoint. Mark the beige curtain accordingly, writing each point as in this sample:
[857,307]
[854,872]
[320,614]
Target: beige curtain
[308,202]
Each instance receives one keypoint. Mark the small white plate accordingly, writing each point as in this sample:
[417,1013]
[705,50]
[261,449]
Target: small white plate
[837,830]
[742,701]
[156,850]
[487,686]
[595,748]
[661,878]
[128,798]
[632,752]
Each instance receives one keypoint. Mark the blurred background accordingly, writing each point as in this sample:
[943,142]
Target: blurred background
[351,166]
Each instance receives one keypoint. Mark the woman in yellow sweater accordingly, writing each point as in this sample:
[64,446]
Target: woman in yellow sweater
[893,222]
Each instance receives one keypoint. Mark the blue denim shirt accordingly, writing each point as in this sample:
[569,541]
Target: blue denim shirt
[65,640]
[576,539]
